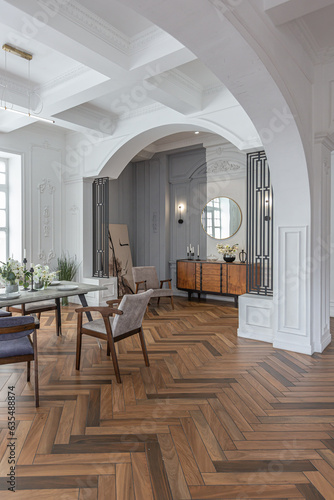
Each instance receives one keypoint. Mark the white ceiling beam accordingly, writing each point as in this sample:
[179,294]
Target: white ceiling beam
[283,11]
[175,90]
[89,118]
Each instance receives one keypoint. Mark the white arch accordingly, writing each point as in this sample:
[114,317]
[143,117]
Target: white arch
[121,154]
[206,28]
[238,46]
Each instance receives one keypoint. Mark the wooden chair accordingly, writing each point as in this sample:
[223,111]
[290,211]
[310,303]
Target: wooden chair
[16,345]
[145,277]
[39,307]
[127,321]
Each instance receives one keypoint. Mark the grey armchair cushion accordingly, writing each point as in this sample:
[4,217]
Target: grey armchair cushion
[148,274]
[133,307]
[97,325]
[5,314]
[43,304]
[18,347]
[16,321]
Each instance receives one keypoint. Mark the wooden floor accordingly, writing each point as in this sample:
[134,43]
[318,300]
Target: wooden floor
[214,417]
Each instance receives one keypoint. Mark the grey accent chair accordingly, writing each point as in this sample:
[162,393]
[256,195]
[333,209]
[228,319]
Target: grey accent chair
[145,277]
[127,321]
[16,345]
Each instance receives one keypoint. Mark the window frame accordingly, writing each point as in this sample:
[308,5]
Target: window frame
[4,188]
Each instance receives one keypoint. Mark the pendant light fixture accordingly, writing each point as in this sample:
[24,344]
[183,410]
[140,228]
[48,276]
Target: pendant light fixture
[4,105]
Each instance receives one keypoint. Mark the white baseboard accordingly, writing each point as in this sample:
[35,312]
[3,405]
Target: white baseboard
[290,346]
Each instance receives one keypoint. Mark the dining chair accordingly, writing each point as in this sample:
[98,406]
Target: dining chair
[16,345]
[145,277]
[127,321]
[4,314]
[39,307]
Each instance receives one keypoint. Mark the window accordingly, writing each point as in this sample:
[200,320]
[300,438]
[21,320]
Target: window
[4,236]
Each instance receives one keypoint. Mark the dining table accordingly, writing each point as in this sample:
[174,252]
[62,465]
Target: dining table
[53,292]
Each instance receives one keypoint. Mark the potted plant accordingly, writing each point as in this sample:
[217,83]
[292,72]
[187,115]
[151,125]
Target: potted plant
[11,274]
[67,269]
[227,251]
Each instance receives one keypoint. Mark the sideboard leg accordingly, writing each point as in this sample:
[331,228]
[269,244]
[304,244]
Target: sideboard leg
[199,295]
[189,295]
[236,300]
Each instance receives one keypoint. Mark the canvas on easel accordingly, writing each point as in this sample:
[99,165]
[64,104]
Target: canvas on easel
[120,260]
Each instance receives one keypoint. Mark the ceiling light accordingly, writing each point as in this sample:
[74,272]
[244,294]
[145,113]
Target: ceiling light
[3,105]
[18,112]
[196,132]
[17,52]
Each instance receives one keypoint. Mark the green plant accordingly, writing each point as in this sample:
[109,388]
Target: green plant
[67,268]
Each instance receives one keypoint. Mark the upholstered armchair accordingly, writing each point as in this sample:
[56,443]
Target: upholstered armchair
[127,321]
[4,314]
[39,307]
[16,345]
[146,277]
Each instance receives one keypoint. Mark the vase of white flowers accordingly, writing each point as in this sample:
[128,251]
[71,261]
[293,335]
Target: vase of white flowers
[43,277]
[11,273]
[228,251]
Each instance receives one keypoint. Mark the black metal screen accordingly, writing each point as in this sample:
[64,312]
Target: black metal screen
[101,227]
[259,225]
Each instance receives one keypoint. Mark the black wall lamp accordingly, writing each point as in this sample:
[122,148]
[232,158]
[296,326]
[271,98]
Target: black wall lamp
[181,207]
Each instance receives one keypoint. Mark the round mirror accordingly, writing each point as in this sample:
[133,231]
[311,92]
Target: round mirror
[221,218]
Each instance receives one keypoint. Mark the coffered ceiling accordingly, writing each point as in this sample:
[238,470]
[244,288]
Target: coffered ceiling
[98,63]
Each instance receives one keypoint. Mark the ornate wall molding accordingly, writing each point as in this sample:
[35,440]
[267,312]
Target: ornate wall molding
[46,225]
[222,166]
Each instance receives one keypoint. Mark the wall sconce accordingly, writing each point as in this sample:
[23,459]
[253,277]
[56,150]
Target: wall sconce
[181,207]
[267,207]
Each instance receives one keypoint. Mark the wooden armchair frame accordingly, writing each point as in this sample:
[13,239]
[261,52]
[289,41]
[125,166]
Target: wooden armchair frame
[106,312]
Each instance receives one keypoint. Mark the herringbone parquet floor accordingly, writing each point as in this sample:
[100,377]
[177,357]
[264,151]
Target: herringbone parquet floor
[214,417]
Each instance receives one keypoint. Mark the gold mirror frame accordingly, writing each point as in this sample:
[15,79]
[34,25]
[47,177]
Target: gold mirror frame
[213,237]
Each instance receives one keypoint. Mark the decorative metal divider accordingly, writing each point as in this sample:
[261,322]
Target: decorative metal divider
[101,227]
[259,225]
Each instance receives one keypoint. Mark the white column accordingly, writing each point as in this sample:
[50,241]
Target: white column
[321,243]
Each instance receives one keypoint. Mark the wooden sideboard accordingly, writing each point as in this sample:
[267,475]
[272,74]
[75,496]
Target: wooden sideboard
[220,278]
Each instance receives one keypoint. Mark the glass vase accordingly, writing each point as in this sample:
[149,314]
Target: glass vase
[12,288]
[39,284]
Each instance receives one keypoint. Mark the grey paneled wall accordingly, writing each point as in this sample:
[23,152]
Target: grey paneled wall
[187,177]
[146,197]
[147,194]
[122,202]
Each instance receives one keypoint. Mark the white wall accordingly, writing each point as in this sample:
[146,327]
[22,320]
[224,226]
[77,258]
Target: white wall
[41,148]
